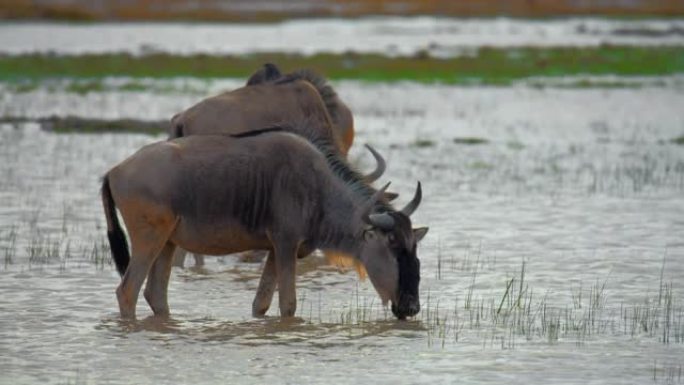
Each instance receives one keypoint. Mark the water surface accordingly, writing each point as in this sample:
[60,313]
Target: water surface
[442,37]
[582,186]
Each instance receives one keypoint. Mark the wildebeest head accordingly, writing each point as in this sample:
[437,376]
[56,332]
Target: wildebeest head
[389,256]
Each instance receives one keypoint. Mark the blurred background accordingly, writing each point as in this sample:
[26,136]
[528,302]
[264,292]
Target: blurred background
[548,135]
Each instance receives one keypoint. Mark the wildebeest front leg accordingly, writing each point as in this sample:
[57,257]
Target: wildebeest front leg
[157,285]
[286,264]
[267,285]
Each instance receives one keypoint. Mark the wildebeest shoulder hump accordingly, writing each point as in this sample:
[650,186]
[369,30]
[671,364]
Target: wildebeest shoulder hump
[319,82]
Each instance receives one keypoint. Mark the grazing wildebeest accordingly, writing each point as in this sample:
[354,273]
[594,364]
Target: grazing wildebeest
[271,98]
[221,194]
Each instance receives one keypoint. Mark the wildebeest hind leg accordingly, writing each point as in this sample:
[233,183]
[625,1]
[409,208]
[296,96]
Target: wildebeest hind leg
[157,285]
[179,257]
[199,259]
[267,285]
[147,241]
[286,264]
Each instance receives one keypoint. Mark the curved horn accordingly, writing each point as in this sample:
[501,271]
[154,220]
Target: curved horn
[382,221]
[368,206]
[379,168]
[413,205]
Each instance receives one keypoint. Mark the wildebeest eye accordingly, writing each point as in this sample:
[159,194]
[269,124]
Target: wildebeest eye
[391,238]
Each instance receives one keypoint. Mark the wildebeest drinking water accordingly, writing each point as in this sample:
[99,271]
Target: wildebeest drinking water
[220,194]
[271,98]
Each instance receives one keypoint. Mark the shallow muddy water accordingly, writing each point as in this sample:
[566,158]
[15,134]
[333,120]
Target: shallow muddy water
[442,37]
[554,255]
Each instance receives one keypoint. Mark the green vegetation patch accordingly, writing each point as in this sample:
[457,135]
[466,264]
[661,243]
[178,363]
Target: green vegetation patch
[480,165]
[679,140]
[73,124]
[492,66]
[84,86]
[421,143]
[470,141]
[515,145]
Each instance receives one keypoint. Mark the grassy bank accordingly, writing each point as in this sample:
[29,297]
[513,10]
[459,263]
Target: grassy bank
[485,66]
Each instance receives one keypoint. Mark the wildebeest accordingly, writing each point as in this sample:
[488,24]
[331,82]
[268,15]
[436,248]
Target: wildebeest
[270,98]
[220,194]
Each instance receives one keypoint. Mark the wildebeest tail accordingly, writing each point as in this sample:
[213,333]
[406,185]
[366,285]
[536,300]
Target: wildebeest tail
[117,239]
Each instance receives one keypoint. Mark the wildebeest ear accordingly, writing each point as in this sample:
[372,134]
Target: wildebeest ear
[419,233]
[390,196]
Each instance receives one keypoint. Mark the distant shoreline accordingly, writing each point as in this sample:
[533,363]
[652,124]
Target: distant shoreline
[267,11]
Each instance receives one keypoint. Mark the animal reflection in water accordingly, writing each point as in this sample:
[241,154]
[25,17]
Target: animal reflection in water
[271,98]
[221,194]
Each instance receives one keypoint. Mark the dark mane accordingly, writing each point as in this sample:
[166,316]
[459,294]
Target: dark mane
[324,89]
[338,165]
[269,73]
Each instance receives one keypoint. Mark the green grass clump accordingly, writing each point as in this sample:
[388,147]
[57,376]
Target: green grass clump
[422,143]
[95,126]
[73,124]
[490,66]
[679,140]
[470,140]
[479,165]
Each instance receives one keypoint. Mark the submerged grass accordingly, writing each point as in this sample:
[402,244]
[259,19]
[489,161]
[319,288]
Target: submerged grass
[91,85]
[9,238]
[74,124]
[422,143]
[39,250]
[517,314]
[493,66]
[470,140]
[520,314]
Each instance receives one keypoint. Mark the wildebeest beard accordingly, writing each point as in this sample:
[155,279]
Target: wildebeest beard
[404,250]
